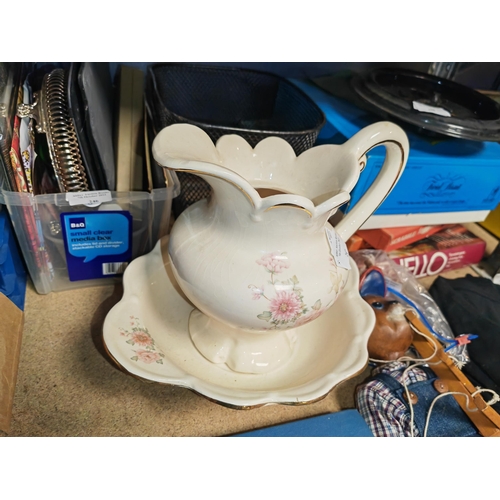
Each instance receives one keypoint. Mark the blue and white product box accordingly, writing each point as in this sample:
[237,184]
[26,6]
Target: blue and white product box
[445,181]
[97,244]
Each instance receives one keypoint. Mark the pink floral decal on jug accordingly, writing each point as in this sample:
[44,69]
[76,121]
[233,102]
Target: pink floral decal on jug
[286,302]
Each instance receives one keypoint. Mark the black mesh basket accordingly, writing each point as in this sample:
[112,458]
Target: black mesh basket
[228,100]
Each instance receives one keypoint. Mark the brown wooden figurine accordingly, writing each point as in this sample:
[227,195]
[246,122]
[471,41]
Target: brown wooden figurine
[392,334]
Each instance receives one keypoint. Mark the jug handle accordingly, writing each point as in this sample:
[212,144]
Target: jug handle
[397,149]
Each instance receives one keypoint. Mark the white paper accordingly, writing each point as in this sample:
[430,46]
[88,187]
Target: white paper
[427,108]
[338,249]
[88,198]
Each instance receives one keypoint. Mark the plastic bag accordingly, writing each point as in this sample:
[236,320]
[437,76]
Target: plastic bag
[404,287]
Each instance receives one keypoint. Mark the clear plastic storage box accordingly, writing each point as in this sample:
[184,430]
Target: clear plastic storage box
[37,224]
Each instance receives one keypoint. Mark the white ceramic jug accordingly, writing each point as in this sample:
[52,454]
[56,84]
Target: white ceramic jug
[259,258]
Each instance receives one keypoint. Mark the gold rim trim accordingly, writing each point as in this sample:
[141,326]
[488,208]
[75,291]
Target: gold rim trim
[284,205]
[229,405]
[289,205]
[198,172]
[399,170]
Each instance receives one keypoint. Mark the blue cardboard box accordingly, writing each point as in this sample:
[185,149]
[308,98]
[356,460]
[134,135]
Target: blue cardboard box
[13,275]
[446,180]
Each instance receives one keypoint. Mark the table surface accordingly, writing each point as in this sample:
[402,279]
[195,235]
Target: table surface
[68,386]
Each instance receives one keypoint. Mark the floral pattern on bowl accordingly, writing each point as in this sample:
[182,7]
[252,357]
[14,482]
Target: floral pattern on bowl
[139,336]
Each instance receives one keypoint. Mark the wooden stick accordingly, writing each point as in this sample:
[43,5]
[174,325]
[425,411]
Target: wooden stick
[486,419]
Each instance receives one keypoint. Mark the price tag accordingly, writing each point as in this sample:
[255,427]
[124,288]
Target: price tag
[427,108]
[338,249]
[88,198]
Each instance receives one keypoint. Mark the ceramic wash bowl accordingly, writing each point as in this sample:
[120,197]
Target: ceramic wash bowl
[147,335]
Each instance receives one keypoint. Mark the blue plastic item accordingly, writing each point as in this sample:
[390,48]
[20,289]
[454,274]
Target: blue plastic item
[346,423]
[441,175]
[12,271]
[372,282]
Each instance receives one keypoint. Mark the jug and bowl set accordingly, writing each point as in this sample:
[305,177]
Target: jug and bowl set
[253,298]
